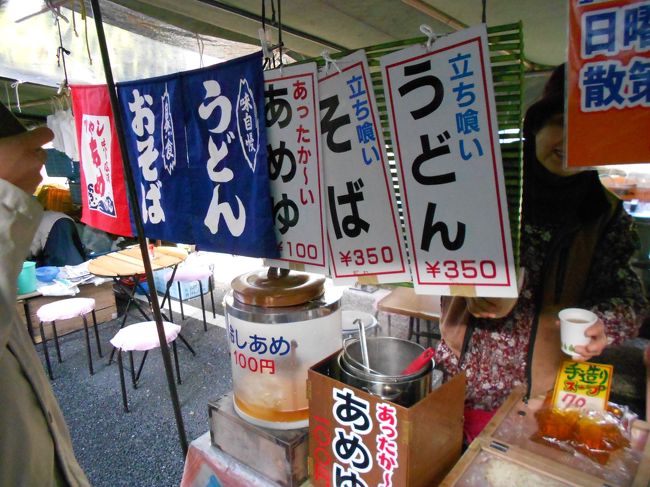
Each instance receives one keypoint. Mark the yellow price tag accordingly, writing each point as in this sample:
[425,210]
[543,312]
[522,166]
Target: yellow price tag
[583,385]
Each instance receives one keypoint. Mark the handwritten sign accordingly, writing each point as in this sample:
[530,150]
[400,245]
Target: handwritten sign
[346,456]
[364,233]
[443,118]
[583,385]
[105,204]
[296,167]
[608,70]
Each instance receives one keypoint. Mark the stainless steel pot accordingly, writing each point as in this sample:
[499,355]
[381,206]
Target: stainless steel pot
[387,357]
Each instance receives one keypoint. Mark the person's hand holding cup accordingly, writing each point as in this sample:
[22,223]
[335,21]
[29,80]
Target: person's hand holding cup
[582,334]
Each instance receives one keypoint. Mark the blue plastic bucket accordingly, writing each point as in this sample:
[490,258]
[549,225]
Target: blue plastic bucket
[27,278]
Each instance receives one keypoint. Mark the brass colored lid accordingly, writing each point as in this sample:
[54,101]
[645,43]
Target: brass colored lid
[277,288]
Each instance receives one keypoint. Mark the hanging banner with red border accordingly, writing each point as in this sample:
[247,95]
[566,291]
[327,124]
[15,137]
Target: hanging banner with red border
[364,234]
[442,114]
[296,167]
[608,88]
[103,190]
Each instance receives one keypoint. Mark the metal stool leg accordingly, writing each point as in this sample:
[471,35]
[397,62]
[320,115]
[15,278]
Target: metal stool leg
[45,352]
[189,347]
[205,325]
[144,357]
[122,385]
[87,335]
[99,347]
[56,342]
[411,325]
[211,284]
[178,369]
[429,333]
[134,383]
[180,298]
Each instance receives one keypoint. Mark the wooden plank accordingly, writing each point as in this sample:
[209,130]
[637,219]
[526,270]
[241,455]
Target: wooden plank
[128,262]
[404,301]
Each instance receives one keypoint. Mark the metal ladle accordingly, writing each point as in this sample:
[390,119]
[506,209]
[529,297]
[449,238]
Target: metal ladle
[364,344]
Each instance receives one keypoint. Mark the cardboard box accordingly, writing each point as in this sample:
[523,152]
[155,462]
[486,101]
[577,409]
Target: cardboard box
[506,438]
[189,290]
[281,456]
[104,309]
[411,447]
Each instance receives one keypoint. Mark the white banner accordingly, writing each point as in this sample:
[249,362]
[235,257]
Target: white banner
[295,167]
[364,235]
[443,119]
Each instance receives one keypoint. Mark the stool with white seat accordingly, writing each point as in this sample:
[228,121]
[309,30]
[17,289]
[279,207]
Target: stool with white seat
[65,310]
[192,273]
[142,337]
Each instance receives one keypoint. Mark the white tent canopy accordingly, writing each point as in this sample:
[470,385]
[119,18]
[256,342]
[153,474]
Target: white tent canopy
[154,37]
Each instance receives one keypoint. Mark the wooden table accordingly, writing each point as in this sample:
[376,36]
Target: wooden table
[403,301]
[127,268]
[128,262]
[127,265]
[24,300]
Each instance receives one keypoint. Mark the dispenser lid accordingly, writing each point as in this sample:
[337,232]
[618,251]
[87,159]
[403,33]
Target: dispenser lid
[275,288]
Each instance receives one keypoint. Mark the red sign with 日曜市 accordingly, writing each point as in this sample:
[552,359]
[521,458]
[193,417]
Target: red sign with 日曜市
[608,88]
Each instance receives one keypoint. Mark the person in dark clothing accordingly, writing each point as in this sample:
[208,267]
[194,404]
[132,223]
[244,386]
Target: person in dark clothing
[57,242]
[576,246]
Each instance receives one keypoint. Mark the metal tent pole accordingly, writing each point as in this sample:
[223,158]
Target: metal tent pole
[128,176]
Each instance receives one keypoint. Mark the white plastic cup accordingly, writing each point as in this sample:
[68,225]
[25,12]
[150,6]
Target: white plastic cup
[573,323]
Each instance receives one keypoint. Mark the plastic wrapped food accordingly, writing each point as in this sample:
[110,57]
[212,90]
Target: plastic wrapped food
[596,434]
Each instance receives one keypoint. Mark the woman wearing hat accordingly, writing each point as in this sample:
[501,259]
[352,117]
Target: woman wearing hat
[576,245]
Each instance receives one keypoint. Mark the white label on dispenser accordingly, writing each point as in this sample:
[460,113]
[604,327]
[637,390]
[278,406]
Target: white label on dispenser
[270,361]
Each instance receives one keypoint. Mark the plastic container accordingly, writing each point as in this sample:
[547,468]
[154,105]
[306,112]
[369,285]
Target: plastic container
[278,325]
[27,278]
[47,273]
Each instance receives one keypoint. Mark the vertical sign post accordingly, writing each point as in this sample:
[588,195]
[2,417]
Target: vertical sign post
[443,118]
[364,234]
[296,167]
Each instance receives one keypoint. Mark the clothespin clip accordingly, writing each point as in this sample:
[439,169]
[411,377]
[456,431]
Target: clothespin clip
[431,35]
[63,89]
[329,61]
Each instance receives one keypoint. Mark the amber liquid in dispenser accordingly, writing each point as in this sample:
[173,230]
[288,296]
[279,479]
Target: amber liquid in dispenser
[270,414]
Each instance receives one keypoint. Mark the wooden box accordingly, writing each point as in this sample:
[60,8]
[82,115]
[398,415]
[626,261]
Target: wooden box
[105,309]
[506,441]
[281,456]
[354,435]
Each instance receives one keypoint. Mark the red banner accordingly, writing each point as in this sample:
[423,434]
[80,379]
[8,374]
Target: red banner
[608,104]
[103,190]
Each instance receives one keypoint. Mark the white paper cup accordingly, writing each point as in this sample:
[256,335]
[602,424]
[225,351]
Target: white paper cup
[573,323]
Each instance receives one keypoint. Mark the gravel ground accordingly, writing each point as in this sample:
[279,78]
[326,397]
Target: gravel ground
[141,448]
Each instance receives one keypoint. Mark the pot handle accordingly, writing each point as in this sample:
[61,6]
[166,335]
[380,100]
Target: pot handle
[277,273]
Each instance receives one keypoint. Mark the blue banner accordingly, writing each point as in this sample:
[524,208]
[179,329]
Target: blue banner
[231,201]
[153,122]
[197,146]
